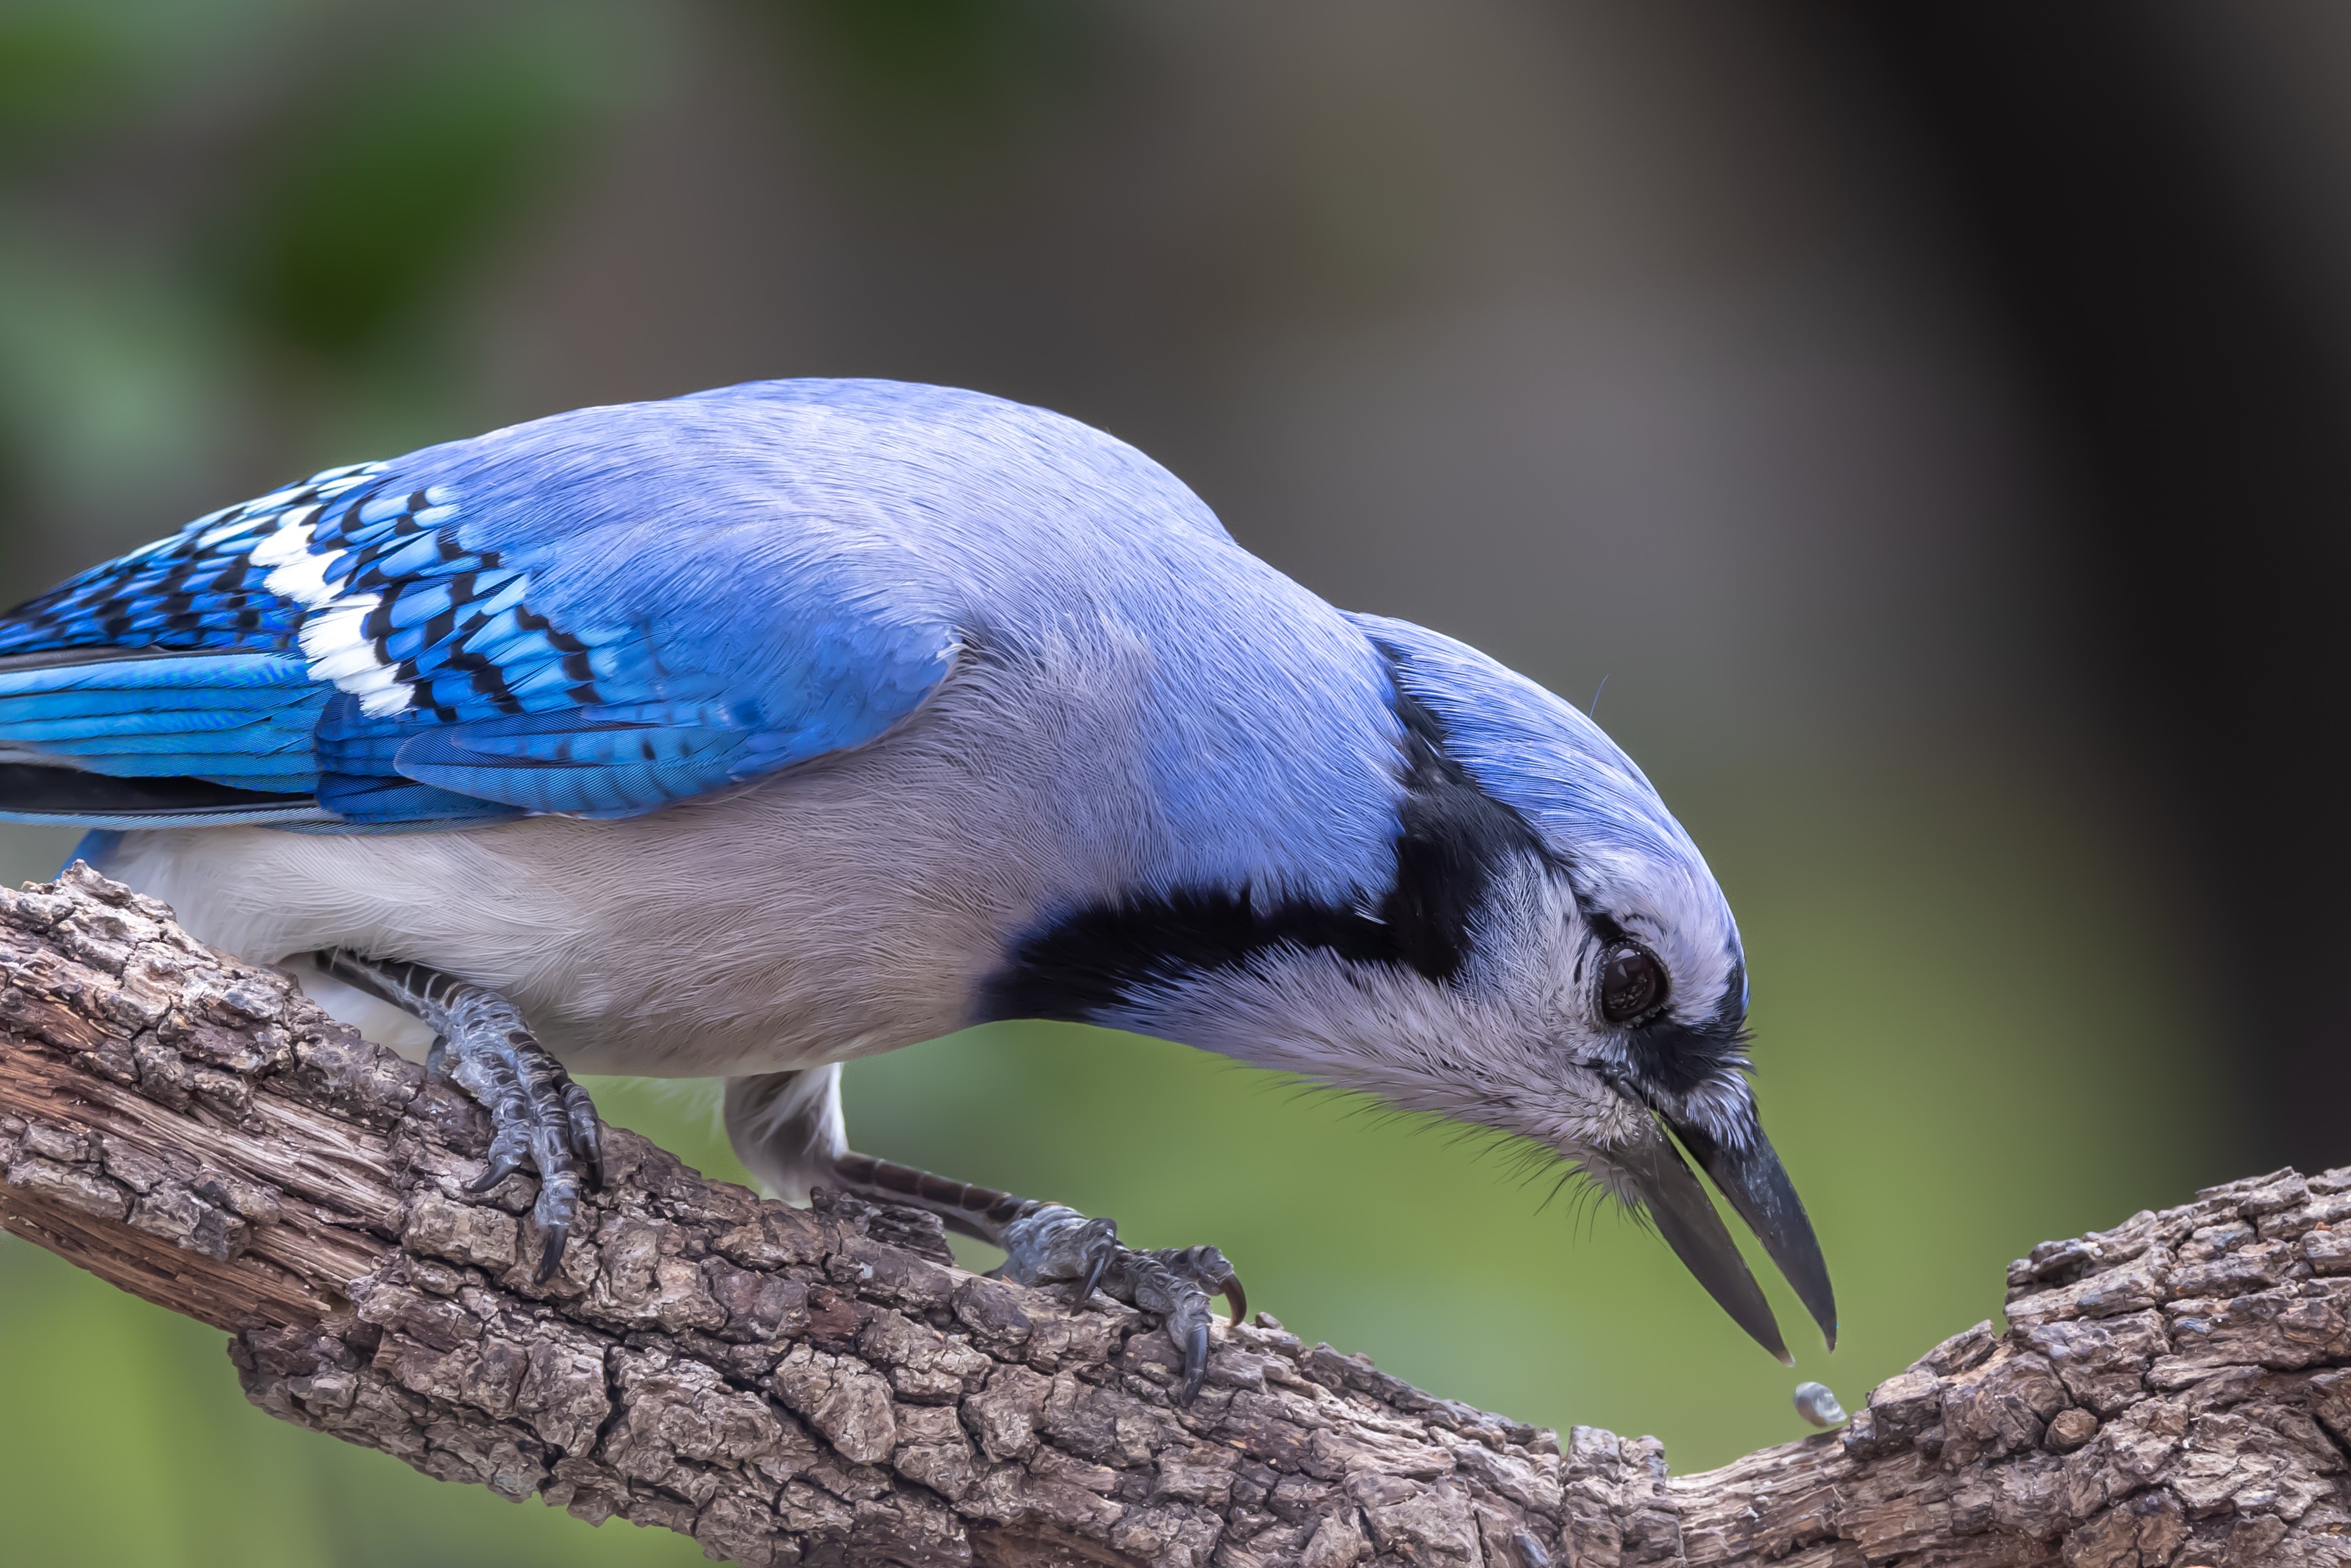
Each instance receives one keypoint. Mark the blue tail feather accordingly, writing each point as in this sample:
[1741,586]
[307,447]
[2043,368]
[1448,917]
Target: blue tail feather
[141,741]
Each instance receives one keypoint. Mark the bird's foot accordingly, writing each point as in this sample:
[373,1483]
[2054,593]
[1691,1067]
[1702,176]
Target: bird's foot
[539,1113]
[1049,1243]
[1053,1243]
[536,1112]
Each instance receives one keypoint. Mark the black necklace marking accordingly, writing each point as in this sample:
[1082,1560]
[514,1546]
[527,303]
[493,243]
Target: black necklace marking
[1451,837]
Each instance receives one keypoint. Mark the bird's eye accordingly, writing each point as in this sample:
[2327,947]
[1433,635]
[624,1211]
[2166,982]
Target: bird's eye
[1631,983]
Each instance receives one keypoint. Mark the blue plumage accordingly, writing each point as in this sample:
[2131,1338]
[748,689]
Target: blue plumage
[197,590]
[243,721]
[747,732]
[1574,781]
[473,600]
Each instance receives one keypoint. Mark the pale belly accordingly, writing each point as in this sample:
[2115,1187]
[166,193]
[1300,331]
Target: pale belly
[809,921]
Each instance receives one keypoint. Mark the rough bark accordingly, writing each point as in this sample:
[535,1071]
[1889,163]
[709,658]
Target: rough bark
[791,1385]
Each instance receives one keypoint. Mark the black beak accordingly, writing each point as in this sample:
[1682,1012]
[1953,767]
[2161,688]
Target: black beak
[1758,1187]
[1757,1184]
[1686,1219]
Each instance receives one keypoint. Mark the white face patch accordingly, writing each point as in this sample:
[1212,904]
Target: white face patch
[1675,912]
[1499,1046]
[1680,919]
[1514,1042]
[1722,1106]
[1391,1033]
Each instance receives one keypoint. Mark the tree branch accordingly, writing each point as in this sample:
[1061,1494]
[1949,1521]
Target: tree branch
[789,1386]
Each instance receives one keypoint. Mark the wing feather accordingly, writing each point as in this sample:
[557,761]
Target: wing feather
[446,640]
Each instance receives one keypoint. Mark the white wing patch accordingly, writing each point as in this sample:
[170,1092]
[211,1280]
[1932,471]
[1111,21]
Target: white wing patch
[333,631]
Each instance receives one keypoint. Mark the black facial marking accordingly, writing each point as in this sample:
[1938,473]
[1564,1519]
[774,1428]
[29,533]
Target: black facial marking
[1678,1057]
[1088,964]
[1451,838]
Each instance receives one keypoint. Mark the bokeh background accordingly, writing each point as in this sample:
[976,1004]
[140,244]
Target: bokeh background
[1920,429]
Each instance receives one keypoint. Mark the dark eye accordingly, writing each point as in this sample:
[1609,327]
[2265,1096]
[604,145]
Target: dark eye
[1631,983]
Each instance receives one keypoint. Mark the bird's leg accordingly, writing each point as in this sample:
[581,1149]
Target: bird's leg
[1050,1243]
[483,1046]
[787,1128]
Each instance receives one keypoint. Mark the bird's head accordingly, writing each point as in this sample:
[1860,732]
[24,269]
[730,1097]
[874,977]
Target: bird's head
[1605,993]
[1600,973]
[1551,960]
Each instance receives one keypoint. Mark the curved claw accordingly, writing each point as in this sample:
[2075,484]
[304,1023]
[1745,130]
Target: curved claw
[481,1045]
[503,1162]
[1053,1243]
[587,1137]
[1101,1251]
[1195,1360]
[1213,1272]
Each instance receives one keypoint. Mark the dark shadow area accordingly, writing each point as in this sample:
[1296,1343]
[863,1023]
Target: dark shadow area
[2195,385]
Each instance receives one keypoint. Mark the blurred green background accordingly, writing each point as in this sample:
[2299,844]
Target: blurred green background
[1638,345]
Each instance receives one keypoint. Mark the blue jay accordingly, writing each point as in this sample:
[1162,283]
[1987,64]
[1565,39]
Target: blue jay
[746,733]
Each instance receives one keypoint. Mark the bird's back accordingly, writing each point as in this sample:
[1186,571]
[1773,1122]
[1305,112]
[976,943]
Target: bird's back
[890,629]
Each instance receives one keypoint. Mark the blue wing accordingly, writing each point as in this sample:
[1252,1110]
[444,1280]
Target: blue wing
[597,614]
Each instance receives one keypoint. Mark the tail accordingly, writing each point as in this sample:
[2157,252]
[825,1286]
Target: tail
[111,738]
